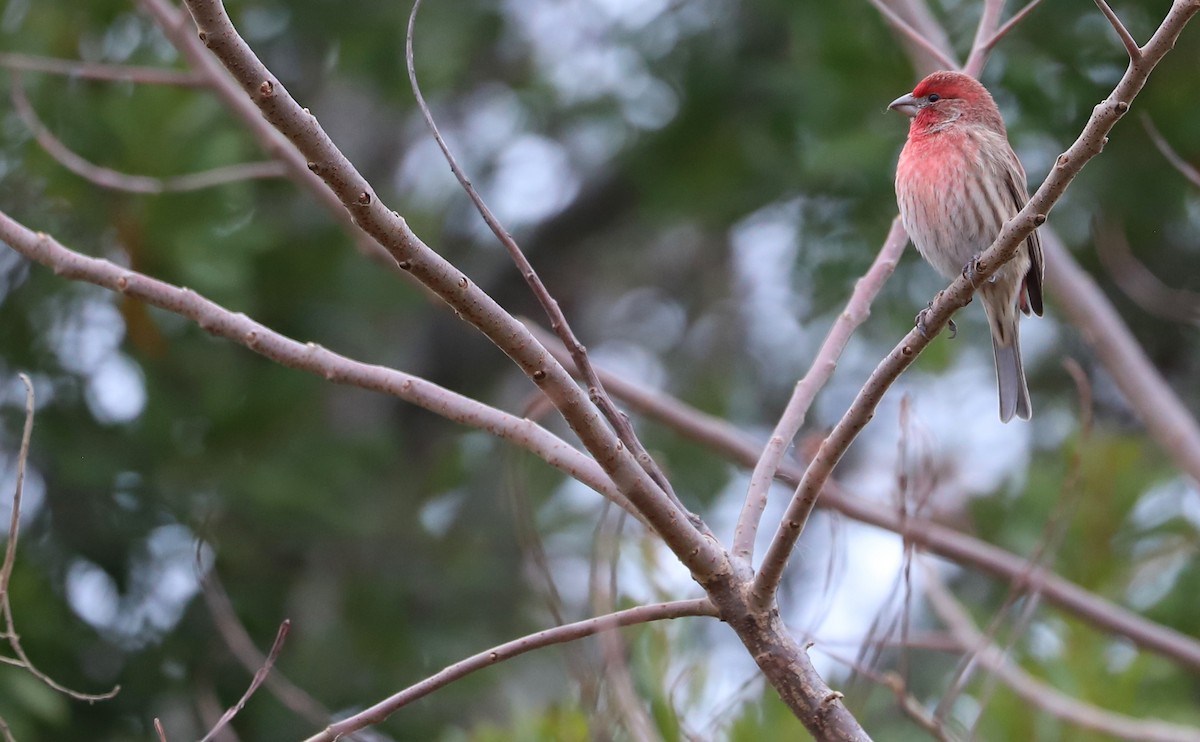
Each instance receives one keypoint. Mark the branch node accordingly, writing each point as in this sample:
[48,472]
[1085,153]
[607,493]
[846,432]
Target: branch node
[364,199]
[1039,220]
[539,375]
[1121,106]
[267,89]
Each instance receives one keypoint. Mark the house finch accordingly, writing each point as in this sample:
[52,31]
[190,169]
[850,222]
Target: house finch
[957,182]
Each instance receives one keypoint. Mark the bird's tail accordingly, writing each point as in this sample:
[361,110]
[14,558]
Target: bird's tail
[1010,375]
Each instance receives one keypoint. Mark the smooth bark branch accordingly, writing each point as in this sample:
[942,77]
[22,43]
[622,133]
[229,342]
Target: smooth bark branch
[702,555]
[557,635]
[309,357]
[858,308]
[1089,144]
[915,37]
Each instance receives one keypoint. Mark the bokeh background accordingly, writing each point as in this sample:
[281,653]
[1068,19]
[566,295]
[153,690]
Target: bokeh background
[699,182]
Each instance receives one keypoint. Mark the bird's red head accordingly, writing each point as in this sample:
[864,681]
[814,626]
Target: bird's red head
[944,98]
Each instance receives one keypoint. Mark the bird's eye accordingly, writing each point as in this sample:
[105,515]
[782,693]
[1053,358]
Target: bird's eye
[934,97]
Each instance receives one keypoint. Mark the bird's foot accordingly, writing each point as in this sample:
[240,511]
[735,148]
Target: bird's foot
[923,328]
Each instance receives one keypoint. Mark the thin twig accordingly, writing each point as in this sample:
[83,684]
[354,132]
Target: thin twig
[1185,168]
[259,677]
[14,523]
[487,658]
[1089,144]
[241,645]
[98,71]
[1131,47]
[913,35]
[1040,694]
[10,557]
[558,320]
[1003,31]
[118,181]
[1137,281]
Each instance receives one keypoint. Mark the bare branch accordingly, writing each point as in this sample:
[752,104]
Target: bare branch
[911,34]
[858,308]
[989,20]
[238,639]
[308,357]
[178,28]
[701,554]
[257,681]
[14,524]
[98,71]
[1040,694]
[118,181]
[1156,404]
[1131,47]
[10,557]
[557,635]
[718,435]
[1001,32]
[1136,280]
[1183,166]
[558,320]
[1089,143]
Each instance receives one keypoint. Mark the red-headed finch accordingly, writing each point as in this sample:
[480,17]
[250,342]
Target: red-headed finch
[958,181]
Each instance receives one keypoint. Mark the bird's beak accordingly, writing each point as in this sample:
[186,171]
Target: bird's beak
[906,104]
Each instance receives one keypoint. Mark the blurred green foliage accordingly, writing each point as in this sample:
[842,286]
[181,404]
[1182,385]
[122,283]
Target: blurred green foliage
[388,535]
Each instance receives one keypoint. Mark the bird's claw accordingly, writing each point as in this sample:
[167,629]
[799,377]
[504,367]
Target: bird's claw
[923,328]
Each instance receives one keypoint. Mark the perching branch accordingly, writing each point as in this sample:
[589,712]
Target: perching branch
[1089,144]
[557,635]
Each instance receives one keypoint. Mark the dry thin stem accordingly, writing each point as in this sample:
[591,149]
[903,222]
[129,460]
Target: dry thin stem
[1183,166]
[97,71]
[1138,282]
[1003,31]
[916,37]
[558,320]
[14,523]
[241,645]
[1040,694]
[1089,143]
[309,357]
[118,181]
[10,557]
[517,647]
[858,308]
[1131,47]
[255,683]
[718,435]
[1053,534]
